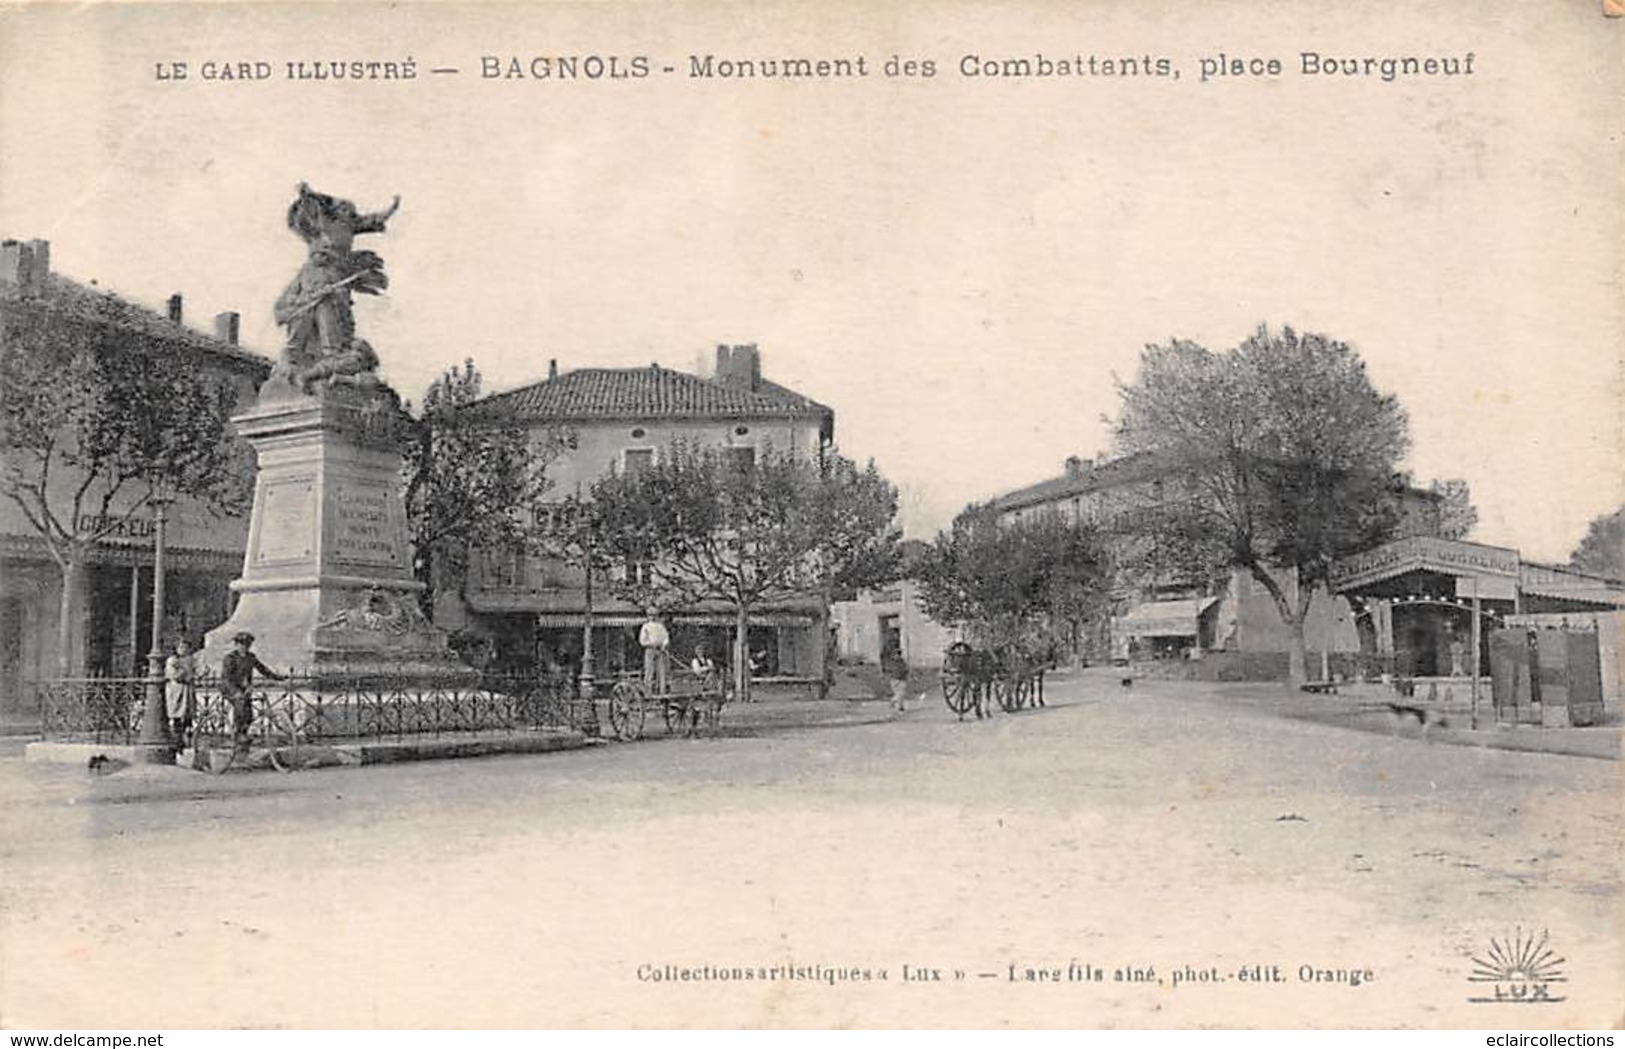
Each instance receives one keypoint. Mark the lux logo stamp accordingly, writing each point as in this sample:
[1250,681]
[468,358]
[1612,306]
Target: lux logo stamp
[1520,969]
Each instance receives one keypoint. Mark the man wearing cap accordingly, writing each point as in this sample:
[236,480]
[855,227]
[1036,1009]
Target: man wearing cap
[236,681]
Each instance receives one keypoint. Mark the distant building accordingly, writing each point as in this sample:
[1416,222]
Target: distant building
[532,608]
[890,615]
[204,552]
[1404,605]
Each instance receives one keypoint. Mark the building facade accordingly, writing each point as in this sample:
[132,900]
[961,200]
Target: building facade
[1405,607]
[1166,610]
[1420,600]
[890,616]
[529,609]
[111,628]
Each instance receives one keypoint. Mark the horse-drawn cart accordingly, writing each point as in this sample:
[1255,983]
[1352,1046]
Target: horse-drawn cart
[974,679]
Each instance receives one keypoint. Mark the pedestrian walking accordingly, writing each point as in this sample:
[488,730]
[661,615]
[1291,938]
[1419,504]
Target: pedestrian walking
[895,667]
[236,684]
[179,674]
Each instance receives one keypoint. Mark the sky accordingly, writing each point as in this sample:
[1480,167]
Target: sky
[959,266]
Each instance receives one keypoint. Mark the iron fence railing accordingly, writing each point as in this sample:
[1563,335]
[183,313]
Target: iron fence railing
[93,709]
[328,707]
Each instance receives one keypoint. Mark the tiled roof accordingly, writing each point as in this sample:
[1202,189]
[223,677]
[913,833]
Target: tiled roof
[61,294]
[1109,474]
[644,393]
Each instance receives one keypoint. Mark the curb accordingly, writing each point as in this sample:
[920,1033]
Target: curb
[382,752]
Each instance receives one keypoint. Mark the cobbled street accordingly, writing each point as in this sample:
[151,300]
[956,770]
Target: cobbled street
[1160,832]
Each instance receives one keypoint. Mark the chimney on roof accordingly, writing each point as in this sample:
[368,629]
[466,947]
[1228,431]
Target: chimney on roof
[1077,466]
[739,367]
[25,265]
[41,263]
[14,263]
[175,308]
[225,327]
[552,368]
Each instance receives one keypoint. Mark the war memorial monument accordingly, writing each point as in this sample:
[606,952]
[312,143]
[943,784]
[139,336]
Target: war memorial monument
[327,585]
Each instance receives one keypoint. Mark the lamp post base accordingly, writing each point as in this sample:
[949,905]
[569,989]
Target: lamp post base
[153,746]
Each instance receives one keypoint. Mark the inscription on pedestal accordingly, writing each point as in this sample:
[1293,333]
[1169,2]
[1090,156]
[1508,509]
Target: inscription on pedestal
[365,531]
[288,523]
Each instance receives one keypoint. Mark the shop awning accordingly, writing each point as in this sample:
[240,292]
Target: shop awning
[1164,618]
[576,619]
[1594,595]
[1561,583]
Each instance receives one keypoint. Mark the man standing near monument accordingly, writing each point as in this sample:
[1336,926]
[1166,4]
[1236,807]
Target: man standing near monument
[655,639]
[236,683]
[178,675]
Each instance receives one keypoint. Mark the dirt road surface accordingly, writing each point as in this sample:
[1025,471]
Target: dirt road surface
[1250,870]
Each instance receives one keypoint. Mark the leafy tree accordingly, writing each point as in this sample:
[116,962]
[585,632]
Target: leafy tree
[94,421]
[700,526]
[1280,454]
[1457,515]
[472,480]
[1015,582]
[1602,551]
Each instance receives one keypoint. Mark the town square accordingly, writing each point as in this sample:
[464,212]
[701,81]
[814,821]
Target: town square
[662,550]
[1111,830]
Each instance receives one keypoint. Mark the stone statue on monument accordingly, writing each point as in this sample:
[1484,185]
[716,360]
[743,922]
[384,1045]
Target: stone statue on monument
[322,347]
[327,582]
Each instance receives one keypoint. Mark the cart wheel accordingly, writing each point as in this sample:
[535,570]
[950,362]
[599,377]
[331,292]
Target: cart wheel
[281,744]
[685,716]
[213,749]
[956,692]
[626,710]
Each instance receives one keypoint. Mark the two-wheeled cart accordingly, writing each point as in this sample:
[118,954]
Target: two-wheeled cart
[974,679]
[690,704]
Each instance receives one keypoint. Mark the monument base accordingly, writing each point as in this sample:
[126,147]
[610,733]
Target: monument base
[327,587]
[337,625]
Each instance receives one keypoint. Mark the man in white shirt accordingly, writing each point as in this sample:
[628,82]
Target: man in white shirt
[655,640]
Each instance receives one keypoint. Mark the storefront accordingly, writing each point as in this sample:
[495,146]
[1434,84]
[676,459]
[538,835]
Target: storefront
[779,642]
[1427,605]
[1164,629]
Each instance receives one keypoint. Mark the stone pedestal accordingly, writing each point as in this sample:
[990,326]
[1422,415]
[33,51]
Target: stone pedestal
[327,585]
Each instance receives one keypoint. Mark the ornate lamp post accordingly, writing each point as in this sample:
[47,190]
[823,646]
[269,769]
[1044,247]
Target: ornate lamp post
[587,675]
[570,536]
[155,745]
[589,678]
